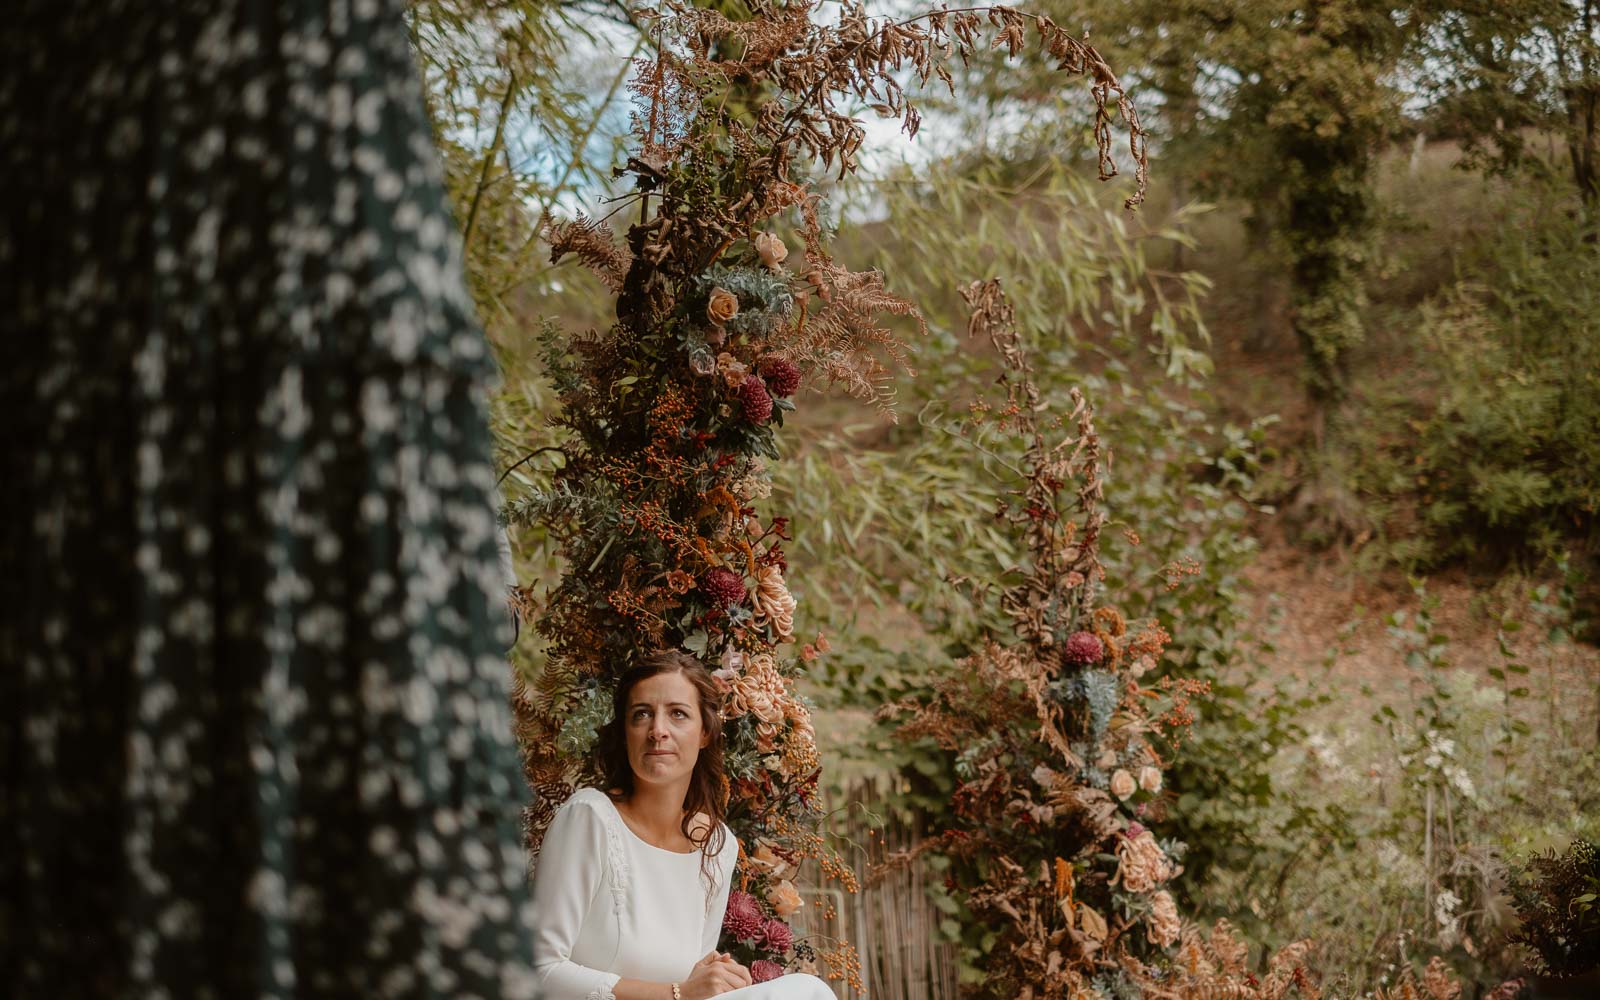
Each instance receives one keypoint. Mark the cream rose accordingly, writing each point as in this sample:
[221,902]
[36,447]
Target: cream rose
[1122,784]
[771,250]
[1150,779]
[723,306]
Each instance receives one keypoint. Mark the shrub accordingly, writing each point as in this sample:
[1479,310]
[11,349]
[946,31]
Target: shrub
[1557,897]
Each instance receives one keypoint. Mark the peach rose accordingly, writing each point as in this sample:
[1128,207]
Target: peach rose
[771,250]
[723,306]
[1122,784]
[1150,779]
[785,898]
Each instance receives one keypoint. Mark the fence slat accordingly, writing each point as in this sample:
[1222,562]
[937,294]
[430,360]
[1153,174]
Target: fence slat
[893,924]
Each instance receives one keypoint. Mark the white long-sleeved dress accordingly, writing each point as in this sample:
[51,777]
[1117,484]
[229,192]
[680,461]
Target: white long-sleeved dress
[609,906]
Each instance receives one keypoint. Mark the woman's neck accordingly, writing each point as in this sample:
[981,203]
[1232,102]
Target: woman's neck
[658,811]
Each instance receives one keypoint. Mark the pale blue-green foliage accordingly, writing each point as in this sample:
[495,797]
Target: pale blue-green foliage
[1099,691]
[765,300]
[581,729]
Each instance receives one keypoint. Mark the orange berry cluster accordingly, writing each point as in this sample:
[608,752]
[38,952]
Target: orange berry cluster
[843,963]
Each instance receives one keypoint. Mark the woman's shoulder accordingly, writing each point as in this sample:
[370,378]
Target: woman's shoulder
[730,846]
[590,800]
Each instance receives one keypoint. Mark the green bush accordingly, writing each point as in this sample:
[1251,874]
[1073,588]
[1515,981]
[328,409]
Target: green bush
[1510,455]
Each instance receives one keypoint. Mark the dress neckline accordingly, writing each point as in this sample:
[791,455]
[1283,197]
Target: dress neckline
[624,822]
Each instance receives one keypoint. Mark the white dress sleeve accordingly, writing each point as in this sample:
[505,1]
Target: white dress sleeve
[719,904]
[567,882]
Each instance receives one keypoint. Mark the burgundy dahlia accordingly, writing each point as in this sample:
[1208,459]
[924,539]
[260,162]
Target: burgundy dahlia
[777,936]
[723,586]
[782,375]
[757,402]
[1082,649]
[763,969]
[743,918]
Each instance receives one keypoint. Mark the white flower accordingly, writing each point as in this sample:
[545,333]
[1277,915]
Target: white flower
[1150,779]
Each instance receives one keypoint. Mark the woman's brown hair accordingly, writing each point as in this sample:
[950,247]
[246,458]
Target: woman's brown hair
[708,783]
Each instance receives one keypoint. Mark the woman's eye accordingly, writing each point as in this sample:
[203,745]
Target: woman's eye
[680,713]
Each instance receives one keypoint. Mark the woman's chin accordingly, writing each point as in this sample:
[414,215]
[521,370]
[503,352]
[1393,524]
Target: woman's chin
[659,770]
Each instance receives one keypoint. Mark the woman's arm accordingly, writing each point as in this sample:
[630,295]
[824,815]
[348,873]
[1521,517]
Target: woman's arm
[712,976]
[571,867]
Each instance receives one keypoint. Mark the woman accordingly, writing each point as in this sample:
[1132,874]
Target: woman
[633,881]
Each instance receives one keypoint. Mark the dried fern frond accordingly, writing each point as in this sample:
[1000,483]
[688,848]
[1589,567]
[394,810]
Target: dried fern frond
[595,246]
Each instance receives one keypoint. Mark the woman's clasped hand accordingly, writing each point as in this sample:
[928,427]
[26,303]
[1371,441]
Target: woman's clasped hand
[713,975]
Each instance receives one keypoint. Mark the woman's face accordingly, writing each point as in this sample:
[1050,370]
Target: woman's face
[664,729]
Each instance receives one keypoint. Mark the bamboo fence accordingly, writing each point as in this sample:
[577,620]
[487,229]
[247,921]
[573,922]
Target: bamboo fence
[893,924]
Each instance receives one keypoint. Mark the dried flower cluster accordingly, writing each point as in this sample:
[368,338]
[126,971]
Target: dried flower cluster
[669,414]
[1058,741]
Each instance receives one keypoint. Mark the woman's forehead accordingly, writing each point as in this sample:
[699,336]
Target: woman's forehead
[664,688]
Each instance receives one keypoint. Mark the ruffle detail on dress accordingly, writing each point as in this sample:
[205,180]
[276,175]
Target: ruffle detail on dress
[621,874]
[601,995]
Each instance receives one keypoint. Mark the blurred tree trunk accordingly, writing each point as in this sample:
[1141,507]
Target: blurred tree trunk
[256,740]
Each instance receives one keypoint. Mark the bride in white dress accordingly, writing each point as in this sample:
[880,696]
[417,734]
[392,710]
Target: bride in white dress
[632,884]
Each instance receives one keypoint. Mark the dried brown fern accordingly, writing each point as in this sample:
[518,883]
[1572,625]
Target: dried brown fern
[595,246]
[1215,967]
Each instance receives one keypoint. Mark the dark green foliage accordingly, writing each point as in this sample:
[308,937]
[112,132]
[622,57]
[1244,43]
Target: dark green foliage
[1558,899]
[1511,453]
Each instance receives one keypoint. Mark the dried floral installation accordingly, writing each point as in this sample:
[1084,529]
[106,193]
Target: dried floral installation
[1059,737]
[670,416]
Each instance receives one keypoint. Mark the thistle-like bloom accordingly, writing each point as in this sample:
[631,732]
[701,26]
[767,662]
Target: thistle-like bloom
[743,918]
[782,376]
[763,969]
[777,936]
[757,402]
[1082,649]
[723,586]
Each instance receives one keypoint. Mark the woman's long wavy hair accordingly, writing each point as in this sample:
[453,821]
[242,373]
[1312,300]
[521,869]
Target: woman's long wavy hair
[708,784]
